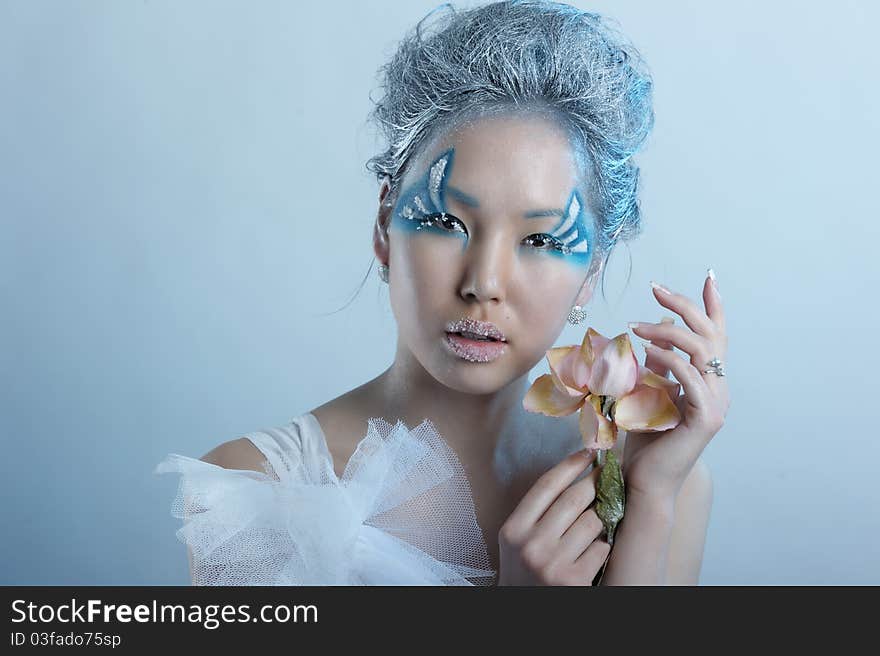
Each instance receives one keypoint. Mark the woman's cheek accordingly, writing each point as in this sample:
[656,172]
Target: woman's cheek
[428,258]
[548,288]
[576,262]
[552,270]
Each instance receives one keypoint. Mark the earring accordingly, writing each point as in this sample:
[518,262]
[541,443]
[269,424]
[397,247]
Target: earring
[576,315]
[383,273]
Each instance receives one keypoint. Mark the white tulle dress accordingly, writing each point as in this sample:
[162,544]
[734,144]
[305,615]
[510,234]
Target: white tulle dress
[402,513]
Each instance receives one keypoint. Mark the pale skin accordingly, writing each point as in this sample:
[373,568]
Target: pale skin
[537,515]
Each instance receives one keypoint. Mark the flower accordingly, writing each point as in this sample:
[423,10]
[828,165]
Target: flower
[603,379]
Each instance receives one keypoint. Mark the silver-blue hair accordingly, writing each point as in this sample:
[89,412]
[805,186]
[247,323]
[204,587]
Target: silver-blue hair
[524,55]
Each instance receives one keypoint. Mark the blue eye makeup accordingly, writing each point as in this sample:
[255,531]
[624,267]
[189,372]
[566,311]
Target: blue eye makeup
[423,207]
[571,236]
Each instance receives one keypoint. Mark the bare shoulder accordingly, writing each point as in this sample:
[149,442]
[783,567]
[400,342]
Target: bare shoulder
[236,454]
[343,422]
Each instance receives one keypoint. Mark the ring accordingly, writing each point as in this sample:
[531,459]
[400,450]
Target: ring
[715,367]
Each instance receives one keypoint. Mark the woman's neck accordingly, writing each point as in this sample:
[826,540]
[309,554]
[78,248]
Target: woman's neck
[474,425]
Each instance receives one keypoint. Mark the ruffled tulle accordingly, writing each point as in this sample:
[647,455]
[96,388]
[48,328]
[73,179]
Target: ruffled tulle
[402,514]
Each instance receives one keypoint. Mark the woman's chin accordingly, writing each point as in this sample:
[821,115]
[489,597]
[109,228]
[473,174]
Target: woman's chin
[473,378]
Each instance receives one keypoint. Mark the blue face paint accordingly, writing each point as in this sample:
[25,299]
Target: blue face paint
[423,205]
[573,232]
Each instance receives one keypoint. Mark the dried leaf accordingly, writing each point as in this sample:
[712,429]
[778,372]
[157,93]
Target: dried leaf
[610,494]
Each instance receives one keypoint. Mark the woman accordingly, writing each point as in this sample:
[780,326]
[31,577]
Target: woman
[506,183]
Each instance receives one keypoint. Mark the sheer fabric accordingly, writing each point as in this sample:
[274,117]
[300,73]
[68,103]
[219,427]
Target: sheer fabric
[401,514]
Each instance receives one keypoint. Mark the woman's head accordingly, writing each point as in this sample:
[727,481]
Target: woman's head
[507,179]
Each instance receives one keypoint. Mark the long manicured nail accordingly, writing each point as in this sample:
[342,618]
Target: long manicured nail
[714,281]
[660,287]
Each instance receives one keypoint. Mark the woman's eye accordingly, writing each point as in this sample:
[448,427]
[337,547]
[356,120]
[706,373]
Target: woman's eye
[444,221]
[545,242]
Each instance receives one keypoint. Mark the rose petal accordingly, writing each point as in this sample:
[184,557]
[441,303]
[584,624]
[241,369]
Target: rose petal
[615,370]
[565,371]
[646,409]
[545,397]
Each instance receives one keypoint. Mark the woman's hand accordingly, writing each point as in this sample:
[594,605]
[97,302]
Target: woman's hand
[551,538]
[656,464]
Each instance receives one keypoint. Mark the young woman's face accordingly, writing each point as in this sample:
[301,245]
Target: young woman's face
[492,224]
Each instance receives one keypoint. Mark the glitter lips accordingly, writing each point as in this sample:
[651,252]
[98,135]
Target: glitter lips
[475,341]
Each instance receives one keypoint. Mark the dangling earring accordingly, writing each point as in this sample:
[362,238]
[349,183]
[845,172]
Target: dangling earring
[576,315]
[383,273]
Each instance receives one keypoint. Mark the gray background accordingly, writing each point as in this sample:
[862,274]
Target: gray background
[183,200]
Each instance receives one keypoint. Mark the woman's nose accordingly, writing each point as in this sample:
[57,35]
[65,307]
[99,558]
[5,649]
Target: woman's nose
[486,272]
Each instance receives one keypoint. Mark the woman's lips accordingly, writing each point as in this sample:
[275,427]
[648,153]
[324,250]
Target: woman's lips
[474,350]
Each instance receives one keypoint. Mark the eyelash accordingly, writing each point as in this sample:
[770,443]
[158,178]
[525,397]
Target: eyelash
[443,218]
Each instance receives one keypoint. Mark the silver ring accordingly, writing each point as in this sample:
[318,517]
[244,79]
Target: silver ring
[715,367]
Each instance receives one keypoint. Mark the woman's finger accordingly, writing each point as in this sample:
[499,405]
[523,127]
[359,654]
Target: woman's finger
[580,535]
[712,301]
[588,563]
[564,511]
[697,394]
[651,361]
[698,348]
[695,318]
[545,490]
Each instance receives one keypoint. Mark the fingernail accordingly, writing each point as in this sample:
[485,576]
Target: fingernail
[660,287]
[714,281]
[647,345]
[633,324]
[666,319]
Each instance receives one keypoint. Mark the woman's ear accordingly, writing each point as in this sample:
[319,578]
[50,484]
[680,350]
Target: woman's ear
[381,245]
